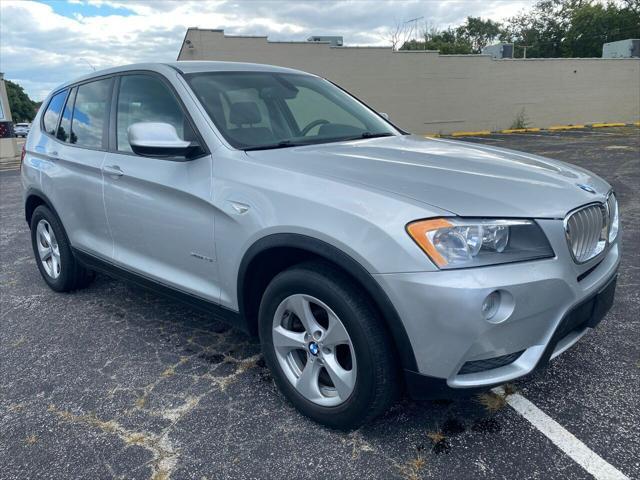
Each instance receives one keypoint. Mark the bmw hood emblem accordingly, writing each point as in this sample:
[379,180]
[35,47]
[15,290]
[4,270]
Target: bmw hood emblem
[313,348]
[586,188]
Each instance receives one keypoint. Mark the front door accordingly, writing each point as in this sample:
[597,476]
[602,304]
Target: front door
[159,210]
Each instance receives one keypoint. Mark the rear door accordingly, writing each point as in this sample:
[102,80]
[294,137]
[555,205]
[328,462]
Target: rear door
[76,147]
[159,210]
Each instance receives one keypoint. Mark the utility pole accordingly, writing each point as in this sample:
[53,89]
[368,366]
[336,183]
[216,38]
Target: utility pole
[415,25]
[88,63]
[524,55]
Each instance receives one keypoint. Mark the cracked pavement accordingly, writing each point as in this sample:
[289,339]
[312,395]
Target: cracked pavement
[117,382]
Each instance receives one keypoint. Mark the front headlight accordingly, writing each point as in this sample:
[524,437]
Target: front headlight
[462,243]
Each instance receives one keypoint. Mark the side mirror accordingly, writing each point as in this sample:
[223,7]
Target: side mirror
[384,115]
[155,139]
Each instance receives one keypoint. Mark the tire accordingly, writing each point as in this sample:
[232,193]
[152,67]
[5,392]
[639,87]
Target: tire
[61,271]
[333,299]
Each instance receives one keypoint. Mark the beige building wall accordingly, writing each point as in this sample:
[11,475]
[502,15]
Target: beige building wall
[425,92]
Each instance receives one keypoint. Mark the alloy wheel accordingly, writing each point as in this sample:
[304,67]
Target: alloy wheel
[48,249]
[314,350]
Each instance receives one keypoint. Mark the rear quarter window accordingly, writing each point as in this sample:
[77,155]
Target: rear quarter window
[52,113]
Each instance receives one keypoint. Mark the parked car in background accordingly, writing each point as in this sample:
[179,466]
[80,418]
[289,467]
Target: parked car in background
[367,260]
[22,129]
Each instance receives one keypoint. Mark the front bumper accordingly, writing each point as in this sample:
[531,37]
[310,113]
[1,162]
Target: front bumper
[573,325]
[550,305]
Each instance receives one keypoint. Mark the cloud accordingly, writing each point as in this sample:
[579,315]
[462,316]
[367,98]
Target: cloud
[43,45]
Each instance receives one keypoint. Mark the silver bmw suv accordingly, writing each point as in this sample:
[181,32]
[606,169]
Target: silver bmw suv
[368,261]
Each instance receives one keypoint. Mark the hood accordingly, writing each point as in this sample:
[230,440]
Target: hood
[466,179]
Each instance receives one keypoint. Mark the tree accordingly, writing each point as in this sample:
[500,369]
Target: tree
[447,42]
[470,37]
[595,24]
[396,36]
[549,29]
[478,32]
[23,109]
[572,28]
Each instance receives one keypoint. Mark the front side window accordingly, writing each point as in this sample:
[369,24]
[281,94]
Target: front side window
[52,114]
[90,114]
[145,98]
[256,110]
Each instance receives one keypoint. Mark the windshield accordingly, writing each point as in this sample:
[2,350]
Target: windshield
[260,110]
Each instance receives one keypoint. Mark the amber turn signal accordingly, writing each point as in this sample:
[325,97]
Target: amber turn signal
[418,232]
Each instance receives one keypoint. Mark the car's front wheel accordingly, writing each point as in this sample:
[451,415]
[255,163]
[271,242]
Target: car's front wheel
[326,346]
[53,254]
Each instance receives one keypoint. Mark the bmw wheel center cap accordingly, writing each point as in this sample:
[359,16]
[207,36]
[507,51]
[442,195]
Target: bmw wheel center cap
[313,348]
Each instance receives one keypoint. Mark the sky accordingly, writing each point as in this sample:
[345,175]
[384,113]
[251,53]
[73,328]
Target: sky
[45,43]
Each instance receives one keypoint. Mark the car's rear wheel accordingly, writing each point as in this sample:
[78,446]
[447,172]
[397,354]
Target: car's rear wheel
[327,348]
[55,260]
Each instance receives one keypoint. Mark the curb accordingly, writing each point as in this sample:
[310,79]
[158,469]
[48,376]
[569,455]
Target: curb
[567,127]
[520,130]
[601,125]
[553,128]
[471,134]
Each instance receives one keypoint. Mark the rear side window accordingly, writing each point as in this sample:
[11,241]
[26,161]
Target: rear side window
[52,113]
[64,130]
[88,128]
[145,98]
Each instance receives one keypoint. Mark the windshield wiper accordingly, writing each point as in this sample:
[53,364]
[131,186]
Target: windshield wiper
[299,143]
[282,144]
[368,135]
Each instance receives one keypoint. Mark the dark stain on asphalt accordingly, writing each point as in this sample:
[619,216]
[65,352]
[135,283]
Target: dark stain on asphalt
[486,425]
[212,358]
[453,427]
[441,446]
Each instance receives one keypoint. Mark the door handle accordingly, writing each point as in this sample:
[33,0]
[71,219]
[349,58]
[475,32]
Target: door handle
[113,170]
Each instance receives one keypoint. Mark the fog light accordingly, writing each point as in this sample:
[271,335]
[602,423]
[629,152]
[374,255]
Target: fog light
[491,305]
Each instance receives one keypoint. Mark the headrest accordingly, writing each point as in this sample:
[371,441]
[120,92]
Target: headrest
[243,113]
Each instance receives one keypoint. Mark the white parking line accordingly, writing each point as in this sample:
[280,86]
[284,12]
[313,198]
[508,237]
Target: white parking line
[563,439]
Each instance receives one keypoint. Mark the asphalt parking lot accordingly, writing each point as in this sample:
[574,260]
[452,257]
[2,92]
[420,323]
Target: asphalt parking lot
[116,382]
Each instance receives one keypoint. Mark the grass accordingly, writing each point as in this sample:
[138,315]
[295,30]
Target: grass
[413,468]
[509,389]
[495,402]
[520,122]
[492,401]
